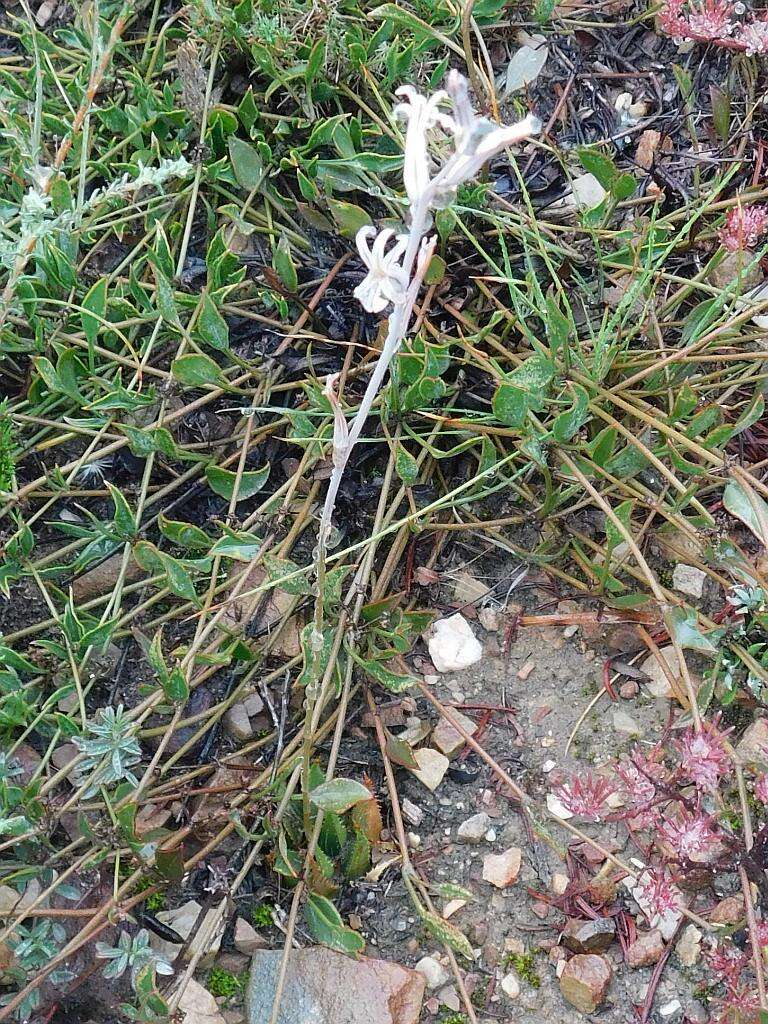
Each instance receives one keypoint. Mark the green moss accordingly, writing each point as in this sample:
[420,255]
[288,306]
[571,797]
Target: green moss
[523,965]
[262,915]
[454,1018]
[155,902]
[224,983]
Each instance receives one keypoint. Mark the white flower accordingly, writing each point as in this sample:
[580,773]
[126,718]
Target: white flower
[386,279]
[422,113]
[476,140]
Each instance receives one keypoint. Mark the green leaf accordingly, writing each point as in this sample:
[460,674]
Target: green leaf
[599,164]
[170,863]
[435,272]
[223,481]
[238,545]
[284,266]
[396,682]
[684,629]
[356,857]
[333,834]
[175,687]
[348,217]
[451,891]
[407,467]
[279,568]
[95,302]
[448,934]
[568,423]
[721,112]
[246,163]
[186,535]
[748,507]
[196,370]
[10,659]
[166,302]
[558,326]
[338,795]
[124,520]
[533,374]
[623,513]
[326,926]
[401,753]
[510,405]
[211,326]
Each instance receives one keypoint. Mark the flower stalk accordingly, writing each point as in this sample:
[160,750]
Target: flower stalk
[397,265]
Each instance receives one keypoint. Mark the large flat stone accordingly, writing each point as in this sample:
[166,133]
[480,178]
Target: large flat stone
[325,987]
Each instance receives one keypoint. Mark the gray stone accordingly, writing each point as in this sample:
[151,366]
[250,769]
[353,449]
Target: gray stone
[588,936]
[473,830]
[325,987]
[237,723]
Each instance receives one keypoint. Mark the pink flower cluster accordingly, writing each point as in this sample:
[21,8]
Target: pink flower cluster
[713,21]
[743,228]
[585,795]
[703,757]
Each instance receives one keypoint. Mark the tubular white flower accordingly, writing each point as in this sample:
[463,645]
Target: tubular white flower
[386,280]
[476,140]
[422,113]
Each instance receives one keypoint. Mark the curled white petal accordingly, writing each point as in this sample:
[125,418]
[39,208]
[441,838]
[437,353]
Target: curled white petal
[386,280]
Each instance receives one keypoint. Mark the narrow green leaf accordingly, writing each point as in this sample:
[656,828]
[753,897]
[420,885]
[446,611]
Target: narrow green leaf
[211,325]
[95,302]
[284,267]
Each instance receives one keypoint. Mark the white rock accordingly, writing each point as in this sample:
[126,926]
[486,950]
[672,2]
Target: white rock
[473,830]
[556,809]
[755,297]
[253,705]
[237,723]
[432,767]
[688,579]
[489,618]
[198,1006]
[510,986]
[657,683]
[490,835]
[412,813]
[560,883]
[586,192]
[670,1008]
[433,972]
[452,644]
[525,66]
[668,921]
[688,948]
[416,730]
[182,919]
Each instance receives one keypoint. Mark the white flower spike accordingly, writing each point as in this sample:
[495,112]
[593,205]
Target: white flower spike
[386,279]
[396,269]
